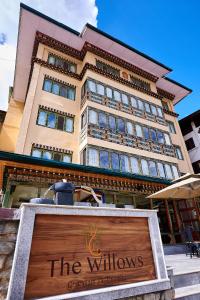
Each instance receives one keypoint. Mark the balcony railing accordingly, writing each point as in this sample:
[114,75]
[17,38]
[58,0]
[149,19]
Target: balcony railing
[91,96]
[126,140]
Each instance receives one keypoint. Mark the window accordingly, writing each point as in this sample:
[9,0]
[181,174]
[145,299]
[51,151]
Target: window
[100,89]
[130,129]
[171,127]
[102,120]
[49,154]
[67,158]
[115,161]
[146,133]
[117,96]
[125,99]
[59,89]
[91,86]
[190,144]
[179,154]
[152,169]
[161,170]
[37,153]
[138,129]
[160,137]
[140,83]
[62,63]
[153,135]
[165,105]
[153,109]
[186,127]
[167,139]
[160,112]
[140,104]
[112,123]
[109,92]
[134,102]
[124,163]
[134,165]
[197,120]
[145,167]
[147,107]
[93,117]
[107,68]
[168,171]
[104,159]
[83,119]
[55,120]
[93,156]
[120,125]
[175,172]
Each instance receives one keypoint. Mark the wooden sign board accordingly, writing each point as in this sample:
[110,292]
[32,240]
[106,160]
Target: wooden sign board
[72,252]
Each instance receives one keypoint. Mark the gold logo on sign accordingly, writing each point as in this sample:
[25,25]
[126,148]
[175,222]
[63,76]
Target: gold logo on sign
[92,241]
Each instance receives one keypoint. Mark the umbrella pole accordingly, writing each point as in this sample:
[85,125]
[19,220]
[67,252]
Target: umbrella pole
[169,221]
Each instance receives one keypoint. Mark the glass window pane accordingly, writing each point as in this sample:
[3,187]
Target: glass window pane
[117,96]
[71,93]
[153,135]
[152,168]
[168,171]
[134,102]
[134,165]
[112,123]
[108,92]
[104,159]
[160,137]
[153,109]
[42,118]
[46,155]
[179,153]
[57,156]
[145,167]
[63,91]
[102,120]
[55,88]
[60,122]
[124,163]
[51,59]
[115,161]
[175,172]
[47,85]
[140,104]
[130,129]
[138,129]
[161,170]
[146,133]
[59,62]
[51,120]
[147,107]
[100,89]
[69,124]
[93,156]
[91,86]
[67,158]
[160,113]
[120,125]
[125,99]
[36,153]
[93,117]
[72,68]
[167,139]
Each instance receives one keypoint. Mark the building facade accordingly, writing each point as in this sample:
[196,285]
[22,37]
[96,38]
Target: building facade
[89,99]
[190,127]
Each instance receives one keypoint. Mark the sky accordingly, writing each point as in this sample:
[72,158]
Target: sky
[168,31]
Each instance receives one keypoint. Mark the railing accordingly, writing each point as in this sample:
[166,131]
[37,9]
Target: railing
[91,96]
[126,140]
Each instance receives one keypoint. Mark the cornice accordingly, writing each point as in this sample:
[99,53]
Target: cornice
[165,94]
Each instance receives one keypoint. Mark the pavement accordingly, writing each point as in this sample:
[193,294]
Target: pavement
[183,264]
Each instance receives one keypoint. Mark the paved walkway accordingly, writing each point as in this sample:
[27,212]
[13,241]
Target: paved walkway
[183,264]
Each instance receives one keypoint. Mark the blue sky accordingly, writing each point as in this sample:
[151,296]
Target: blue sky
[167,30]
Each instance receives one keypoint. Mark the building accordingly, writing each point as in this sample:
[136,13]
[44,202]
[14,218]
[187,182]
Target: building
[90,108]
[190,127]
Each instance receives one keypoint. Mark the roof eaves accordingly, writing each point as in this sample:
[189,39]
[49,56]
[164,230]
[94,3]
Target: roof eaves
[126,46]
[177,83]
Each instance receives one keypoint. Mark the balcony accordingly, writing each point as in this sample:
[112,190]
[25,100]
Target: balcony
[94,97]
[126,140]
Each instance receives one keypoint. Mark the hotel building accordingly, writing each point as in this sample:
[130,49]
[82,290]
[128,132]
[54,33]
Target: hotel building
[87,107]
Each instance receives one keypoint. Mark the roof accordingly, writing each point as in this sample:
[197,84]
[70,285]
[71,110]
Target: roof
[32,21]
[26,159]
[190,118]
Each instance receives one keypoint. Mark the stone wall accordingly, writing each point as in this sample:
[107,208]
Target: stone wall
[8,235]
[164,295]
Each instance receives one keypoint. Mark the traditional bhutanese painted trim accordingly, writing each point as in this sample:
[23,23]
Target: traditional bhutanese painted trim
[56,111]
[59,81]
[165,94]
[45,147]
[171,113]
[51,42]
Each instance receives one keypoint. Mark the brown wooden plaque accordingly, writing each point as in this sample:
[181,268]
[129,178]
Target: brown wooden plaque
[76,253]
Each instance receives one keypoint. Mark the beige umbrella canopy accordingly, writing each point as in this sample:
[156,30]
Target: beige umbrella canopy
[185,187]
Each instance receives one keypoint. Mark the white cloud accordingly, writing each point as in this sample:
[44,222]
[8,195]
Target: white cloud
[74,13]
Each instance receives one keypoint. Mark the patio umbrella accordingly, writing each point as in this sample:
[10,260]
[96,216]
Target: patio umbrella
[185,187]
